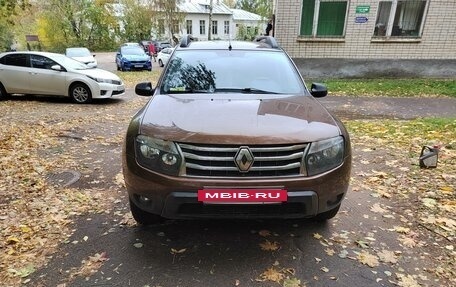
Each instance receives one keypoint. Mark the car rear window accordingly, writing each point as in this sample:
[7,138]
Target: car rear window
[19,60]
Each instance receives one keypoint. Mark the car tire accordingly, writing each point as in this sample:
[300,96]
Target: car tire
[143,217]
[3,94]
[160,63]
[80,93]
[327,215]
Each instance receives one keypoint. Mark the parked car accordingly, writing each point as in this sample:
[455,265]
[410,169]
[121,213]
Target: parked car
[132,58]
[232,131]
[82,55]
[42,73]
[163,56]
[134,44]
[162,45]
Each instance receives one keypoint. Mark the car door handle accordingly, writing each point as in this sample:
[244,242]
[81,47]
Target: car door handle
[33,73]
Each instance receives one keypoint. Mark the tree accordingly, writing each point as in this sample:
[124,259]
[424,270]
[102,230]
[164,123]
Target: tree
[168,11]
[136,20]
[230,3]
[88,23]
[260,7]
[8,10]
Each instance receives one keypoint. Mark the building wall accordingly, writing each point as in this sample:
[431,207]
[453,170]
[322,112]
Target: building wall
[438,39]
[196,25]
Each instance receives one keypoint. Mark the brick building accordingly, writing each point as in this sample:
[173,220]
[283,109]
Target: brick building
[351,38]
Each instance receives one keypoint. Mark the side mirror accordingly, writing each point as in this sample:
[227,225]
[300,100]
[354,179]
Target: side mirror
[57,68]
[318,90]
[144,89]
[94,55]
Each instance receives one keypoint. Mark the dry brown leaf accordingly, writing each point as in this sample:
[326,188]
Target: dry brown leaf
[387,256]
[272,274]
[407,241]
[264,233]
[269,246]
[368,259]
[407,281]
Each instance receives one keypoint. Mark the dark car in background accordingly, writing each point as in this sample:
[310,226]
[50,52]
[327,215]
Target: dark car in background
[232,131]
[130,57]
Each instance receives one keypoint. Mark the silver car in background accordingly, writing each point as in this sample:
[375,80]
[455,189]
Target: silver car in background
[42,73]
[82,55]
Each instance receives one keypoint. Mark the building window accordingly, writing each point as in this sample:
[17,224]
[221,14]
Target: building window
[214,28]
[400,18]
[161,26]
[175,27]
[227,28]
[189,27]
[323,18]
[202,27]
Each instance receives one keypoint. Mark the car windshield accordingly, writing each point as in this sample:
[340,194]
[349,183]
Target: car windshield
[69,63]
[245,71]
[78,52]
[130,50]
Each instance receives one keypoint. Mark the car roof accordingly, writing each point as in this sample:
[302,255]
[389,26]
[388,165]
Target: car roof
[47,54]
[77,48]
[263,43]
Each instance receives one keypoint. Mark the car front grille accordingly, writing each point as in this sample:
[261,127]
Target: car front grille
[219,160]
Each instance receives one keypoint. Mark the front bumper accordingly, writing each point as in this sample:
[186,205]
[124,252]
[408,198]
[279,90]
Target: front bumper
[106,90]
[176,197]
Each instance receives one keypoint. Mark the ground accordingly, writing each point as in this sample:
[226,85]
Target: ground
[65,221]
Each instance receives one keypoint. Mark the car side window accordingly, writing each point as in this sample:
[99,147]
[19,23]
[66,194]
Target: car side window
[19,60]
[41,62]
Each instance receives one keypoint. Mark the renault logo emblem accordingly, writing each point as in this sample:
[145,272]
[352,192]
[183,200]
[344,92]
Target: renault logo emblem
[244,159]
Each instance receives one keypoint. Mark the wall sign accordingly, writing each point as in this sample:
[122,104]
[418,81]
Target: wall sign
[363,9]
[361,19]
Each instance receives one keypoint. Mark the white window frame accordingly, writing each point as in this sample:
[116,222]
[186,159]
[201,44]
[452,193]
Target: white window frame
[317,12]
[202,27]
[189,27]
[214,27]
[227,27]
[392,15]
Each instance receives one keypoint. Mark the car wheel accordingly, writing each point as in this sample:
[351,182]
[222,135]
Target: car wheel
[3,94]
[160,63]
[80,93]
[144,217]
[327,215]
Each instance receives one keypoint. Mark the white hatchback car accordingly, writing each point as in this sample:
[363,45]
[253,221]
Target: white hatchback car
[42,73]
[163,56]
[82,55]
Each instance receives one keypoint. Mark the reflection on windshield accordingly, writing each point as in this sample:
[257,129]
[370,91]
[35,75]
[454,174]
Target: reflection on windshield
[182,77]
[236,71]
[133,51]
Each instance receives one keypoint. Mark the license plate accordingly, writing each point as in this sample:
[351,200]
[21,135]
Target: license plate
[138,66]
[242,195]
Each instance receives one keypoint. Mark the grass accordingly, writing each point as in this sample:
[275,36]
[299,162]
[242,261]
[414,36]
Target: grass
[130,79]
[393,87]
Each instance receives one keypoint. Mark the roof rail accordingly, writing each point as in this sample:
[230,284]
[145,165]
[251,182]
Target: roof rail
[186,40]
[269,40]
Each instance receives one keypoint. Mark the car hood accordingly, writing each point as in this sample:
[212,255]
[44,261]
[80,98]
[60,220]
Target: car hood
[86,59]
[135,57]
[243,119]
[98,73]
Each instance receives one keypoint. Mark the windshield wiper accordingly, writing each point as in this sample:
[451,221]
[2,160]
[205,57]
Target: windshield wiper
[245,91]
[188,91]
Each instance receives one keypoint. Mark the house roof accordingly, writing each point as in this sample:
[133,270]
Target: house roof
[202,7]
[242,15]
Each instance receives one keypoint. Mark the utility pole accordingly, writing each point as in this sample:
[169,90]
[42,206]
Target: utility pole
[209,35]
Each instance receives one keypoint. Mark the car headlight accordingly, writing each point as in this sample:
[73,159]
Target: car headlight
[324,155]
[101,80]
[158,155]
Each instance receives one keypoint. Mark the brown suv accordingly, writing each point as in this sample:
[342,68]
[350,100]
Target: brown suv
[231,131]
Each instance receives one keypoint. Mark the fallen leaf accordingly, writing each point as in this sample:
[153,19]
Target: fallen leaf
[175,251]
[264,233]
[368,259]
[387,256]
[269,246]
[272,274]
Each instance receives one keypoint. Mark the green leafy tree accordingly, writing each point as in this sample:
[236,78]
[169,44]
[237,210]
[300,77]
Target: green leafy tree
[88,23]
[136,20]
[260,7]
[9,9]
